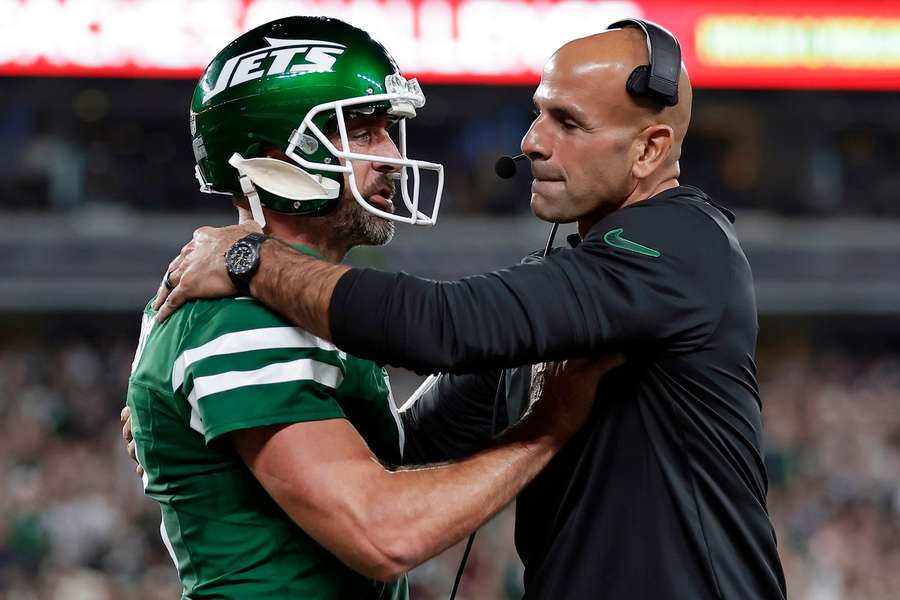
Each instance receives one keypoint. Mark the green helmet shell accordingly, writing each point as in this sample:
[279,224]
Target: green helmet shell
[259,88]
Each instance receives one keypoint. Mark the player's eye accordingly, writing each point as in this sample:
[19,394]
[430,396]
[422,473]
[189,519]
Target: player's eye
[362,136]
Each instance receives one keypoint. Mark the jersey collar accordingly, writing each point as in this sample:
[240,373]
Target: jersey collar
[306,250]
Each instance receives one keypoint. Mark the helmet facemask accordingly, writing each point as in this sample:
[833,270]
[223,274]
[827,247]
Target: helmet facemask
[402,99]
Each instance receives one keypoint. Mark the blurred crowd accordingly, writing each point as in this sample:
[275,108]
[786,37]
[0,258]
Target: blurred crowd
[124,144]
[833,455]
[74,523]
[73,520]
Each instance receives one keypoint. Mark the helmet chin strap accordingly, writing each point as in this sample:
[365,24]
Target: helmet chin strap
[249,192]
[253,197]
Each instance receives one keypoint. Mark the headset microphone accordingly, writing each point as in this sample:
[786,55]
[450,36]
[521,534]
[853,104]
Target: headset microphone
[505,167]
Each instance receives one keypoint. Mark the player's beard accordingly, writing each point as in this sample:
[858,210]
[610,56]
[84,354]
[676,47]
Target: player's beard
[361,227]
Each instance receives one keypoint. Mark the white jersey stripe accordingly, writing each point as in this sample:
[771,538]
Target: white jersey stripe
[302,369]
[265,338]
[167,541]
[196,420]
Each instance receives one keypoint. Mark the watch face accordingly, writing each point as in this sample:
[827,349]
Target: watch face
[241,258]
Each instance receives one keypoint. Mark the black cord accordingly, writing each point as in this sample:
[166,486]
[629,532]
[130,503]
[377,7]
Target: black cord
[549,245]
[465,556]
[462,565]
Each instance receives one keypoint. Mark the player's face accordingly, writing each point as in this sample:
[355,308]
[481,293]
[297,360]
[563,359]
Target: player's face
[578,146]
[368,134]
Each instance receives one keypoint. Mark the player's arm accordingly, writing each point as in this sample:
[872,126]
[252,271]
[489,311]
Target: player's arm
[383,523]
[450,417]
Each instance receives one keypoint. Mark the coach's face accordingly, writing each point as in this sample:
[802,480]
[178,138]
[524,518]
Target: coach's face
[580,143]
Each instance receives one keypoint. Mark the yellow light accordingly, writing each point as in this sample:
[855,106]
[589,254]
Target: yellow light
[806,42]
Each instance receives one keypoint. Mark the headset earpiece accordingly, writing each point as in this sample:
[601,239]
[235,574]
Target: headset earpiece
[637,81]
[658,80]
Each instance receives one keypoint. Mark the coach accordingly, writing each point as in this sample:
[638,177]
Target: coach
[663,494]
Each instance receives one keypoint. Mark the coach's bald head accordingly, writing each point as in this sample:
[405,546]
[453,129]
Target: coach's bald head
[593,147]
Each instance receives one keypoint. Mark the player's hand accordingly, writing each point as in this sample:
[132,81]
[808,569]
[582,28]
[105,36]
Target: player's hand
[562,393]
[199,270]
[128,436]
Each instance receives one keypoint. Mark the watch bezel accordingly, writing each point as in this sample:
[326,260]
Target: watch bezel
[241,279]
[232,258]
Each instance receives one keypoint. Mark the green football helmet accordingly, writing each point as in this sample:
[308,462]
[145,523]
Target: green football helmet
[282,85]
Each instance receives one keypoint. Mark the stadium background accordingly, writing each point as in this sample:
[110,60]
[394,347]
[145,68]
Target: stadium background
[795,126]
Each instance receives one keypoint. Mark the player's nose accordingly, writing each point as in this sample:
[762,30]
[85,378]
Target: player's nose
[387,149]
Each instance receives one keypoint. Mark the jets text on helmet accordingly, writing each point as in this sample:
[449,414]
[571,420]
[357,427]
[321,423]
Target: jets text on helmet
[294,56]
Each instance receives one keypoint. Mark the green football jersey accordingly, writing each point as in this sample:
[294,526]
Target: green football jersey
[217,366]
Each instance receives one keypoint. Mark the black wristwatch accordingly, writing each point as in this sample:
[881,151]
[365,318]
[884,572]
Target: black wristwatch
[242,261]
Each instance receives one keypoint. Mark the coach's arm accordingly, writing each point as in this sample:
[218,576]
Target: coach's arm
[381,522]
[452,416]
[595,299]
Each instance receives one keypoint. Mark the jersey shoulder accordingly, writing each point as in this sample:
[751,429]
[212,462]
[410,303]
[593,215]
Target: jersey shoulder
[679,227]
[240,334]
[242,365]
[208,337]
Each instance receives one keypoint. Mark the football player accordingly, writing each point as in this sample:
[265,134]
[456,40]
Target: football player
[270,451]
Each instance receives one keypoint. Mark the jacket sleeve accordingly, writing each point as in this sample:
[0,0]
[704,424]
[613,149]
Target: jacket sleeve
[455,416]
[652,277]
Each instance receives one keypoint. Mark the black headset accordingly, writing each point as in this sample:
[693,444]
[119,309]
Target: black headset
[659,79]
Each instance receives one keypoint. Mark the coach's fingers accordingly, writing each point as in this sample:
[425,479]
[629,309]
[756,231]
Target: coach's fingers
[172,274]
[161,292]
[127,434]
[164,289]
[174,300]
[125,420]
[132,452]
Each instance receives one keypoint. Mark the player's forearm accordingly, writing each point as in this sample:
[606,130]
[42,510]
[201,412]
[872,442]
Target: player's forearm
[421,512]
[297,286]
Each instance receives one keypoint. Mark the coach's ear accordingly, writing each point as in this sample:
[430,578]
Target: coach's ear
[652,148]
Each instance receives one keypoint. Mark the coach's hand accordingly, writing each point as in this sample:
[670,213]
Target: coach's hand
[128,436]
[199,271]
[562,393]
